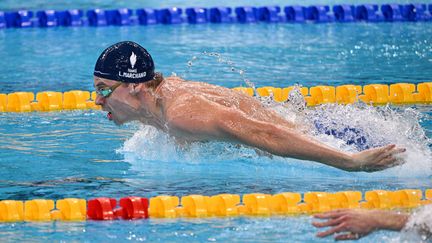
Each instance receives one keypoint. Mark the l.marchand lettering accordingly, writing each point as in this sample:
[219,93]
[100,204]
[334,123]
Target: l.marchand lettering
[132,75]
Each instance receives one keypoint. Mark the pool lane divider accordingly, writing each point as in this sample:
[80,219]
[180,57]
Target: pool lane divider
[199,15]
[197,206]
[374,94]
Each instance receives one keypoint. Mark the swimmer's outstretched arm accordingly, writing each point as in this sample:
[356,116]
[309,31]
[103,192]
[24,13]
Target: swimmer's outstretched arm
[287,142]
[199,118]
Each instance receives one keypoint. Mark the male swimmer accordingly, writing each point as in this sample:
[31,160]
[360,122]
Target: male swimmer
[128,89]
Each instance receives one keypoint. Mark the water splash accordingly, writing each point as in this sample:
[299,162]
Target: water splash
[378,125]
[227,65]
[153,145]
[419,226]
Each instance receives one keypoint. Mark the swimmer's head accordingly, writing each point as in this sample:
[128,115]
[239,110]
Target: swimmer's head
[123,73]
[125,62]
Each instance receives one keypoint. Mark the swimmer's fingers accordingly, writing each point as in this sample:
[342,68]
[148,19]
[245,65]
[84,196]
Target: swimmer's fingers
[389,150]
[341,227]
[348,236]
[387,161]
[331,214]
[377,158]
[396,151]
[385,157]
[390,160]
[384,151]
[331,222]
[384,164]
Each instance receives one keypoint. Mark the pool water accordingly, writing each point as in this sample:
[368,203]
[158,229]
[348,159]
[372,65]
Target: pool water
[270,54]
[81,154]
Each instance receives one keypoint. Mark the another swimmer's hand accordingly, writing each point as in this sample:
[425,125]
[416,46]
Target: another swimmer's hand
[376,159]
[347,224]
[352,224]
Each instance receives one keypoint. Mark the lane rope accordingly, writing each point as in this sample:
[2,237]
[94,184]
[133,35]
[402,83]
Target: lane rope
[198,206]
[374,94]
[198,15]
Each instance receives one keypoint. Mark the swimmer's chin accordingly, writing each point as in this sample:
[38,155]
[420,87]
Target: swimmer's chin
[118,123]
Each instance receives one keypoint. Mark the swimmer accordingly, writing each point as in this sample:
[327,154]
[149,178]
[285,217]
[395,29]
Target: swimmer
[129,89]
[352,224]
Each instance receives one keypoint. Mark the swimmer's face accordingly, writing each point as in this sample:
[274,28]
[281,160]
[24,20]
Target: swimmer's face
[116,103]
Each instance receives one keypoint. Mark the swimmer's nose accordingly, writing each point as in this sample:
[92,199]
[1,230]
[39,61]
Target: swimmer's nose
[99,100]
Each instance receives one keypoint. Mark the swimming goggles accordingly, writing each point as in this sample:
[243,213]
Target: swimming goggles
[106,92]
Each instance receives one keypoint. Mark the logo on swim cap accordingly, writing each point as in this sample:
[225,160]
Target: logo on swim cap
[132,59]
[125,62]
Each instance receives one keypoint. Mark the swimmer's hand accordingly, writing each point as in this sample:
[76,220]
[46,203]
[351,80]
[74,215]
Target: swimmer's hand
[376,159]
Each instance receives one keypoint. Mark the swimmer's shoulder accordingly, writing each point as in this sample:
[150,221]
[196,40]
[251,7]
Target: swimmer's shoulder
[182,85]
[174,79]
[186,82]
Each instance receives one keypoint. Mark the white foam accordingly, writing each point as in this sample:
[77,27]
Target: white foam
[150,144]
[381,125]
[419,226]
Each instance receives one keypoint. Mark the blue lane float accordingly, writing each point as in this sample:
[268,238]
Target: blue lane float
[318,13]
[344,13]
[295,14]
[269,14]
[199,15]
[97,17]
[416,12]
[369,13]
[47,18]
[146,16]
[19,19]
[119,17]
[221,15]
[170,16]
[2,20]
[70,17]
[246,14]
[392,12]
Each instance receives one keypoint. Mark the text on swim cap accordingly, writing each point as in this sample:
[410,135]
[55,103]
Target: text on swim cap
[132,75]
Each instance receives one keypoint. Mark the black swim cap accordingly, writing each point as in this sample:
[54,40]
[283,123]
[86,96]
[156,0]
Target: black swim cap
[126,62]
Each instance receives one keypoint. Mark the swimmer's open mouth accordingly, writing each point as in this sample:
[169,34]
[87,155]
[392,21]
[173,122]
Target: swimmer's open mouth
[109,116]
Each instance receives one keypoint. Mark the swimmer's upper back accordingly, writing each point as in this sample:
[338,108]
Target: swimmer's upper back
[178,90]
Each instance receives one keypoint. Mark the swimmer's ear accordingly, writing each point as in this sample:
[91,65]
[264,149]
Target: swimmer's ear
[134,89]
